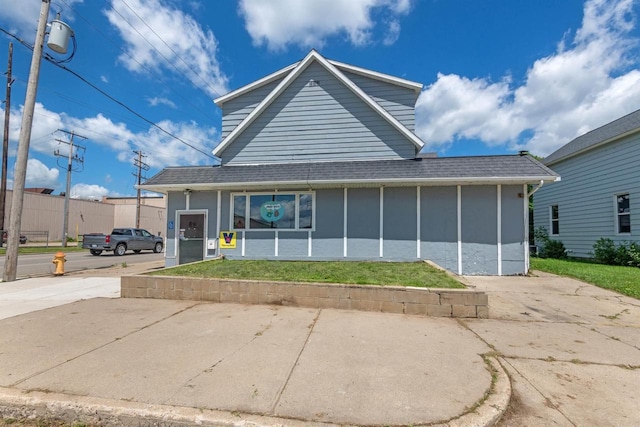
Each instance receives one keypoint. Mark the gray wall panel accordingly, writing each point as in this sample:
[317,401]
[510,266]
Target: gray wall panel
[363,223]
[438,226]
[479,230]
[259,244]
[328,237]
[513,230]
[400,218]
[225,225]
[293,244]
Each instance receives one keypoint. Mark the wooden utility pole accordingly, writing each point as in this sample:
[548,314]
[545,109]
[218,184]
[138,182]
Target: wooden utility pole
[141,166]
[20,170]
[71,158]
[5,140]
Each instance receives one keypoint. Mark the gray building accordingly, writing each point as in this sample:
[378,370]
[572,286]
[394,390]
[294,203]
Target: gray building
[599,195]
[319,161]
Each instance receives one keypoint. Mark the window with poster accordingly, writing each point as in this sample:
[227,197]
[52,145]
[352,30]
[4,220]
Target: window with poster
[276,211]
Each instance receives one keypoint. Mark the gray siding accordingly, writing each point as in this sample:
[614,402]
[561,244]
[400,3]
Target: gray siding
[317,122]
[479,230]
[398,101]
[363,223]
[237,109]
[585,196]
[328,239]
[399,224]
[439,226]
[513,227]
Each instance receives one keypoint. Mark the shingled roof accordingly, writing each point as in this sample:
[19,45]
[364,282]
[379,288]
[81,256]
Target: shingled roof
[602,135]
[509,169]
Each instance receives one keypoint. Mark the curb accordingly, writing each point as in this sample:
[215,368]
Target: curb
[492,409]
[21,404]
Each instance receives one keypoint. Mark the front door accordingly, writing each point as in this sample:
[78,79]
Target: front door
[191,237]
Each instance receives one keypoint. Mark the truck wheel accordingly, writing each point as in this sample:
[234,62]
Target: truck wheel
[157,248]
[95,252]
[120,249]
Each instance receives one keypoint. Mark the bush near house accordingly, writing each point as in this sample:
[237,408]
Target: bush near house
[549,248]
[625,253]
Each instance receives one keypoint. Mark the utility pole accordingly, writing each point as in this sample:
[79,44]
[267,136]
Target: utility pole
[20,170]
[141,166]
[5,140]
[69,167]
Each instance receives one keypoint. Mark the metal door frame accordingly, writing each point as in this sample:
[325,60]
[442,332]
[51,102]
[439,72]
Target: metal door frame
[205,231]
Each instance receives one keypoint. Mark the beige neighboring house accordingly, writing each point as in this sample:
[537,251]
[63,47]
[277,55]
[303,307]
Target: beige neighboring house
[42,215]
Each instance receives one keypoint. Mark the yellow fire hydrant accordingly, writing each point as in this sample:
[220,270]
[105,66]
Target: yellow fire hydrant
[59,260]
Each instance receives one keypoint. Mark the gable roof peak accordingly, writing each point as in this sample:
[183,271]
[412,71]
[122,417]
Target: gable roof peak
[293,73]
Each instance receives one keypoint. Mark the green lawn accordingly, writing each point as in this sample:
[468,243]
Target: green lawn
[625,280]
[417,274]
[29,250]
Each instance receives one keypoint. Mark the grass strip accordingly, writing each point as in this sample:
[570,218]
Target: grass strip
[624,280]
[418,274]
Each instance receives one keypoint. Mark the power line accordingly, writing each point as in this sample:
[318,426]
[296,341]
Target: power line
[166,44]
[112,98]
[149,70]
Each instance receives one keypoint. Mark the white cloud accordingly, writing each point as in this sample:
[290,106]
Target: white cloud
[88,192]
[279,23]
[104,79]
[39,175]
[162,37]
[24,18]
[586,83]
[155,101]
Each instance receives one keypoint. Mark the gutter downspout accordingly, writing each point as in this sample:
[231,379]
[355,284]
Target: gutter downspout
[526,225]
[530,193]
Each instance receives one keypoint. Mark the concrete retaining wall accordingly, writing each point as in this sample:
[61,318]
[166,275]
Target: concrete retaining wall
[388,299]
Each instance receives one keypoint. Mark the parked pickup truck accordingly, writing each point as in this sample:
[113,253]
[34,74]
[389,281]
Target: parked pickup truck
[121,240]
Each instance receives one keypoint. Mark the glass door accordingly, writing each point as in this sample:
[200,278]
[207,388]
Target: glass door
[191,237]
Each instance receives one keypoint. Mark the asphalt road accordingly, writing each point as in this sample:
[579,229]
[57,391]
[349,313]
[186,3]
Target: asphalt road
[38,265]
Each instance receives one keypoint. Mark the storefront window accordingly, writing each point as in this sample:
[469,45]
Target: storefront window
[282,211]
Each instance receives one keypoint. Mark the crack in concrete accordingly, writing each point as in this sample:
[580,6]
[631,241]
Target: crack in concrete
[42,371]
[295,363]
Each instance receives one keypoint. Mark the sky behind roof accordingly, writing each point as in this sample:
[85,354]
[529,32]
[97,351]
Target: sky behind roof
[498,76]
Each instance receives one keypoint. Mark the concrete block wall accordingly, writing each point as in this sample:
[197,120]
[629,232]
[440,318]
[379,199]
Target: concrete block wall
[392,299]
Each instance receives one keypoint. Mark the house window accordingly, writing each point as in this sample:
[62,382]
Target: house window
[555,220]
[623,213]
[281,211]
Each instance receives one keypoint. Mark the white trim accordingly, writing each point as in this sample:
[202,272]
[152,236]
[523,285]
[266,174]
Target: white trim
[344,225]
[187,199]
[309,244]
[218,222]
[459,215]
[551,233]
[243,243]
[276,244]
[616,214]
[512,180]
[247,213]
[381,222]
[416,87]
[294,74]
[527,261]
[499,234]
[593,146]
[254,85]
[418,241]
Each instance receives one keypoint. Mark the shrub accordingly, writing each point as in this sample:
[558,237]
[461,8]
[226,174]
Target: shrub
[604,251]
[550,248]
[607,252]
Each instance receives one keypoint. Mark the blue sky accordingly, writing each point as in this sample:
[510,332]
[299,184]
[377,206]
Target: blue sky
[498,76]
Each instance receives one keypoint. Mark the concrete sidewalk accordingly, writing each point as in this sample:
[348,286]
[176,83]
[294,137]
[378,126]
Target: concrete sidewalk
[572,352]
[177,362]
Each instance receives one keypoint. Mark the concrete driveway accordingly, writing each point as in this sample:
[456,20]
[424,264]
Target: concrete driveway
[572,350]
